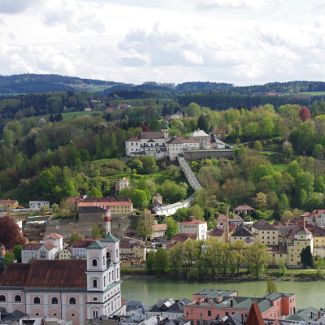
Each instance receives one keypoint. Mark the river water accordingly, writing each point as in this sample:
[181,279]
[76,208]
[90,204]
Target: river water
[150,290]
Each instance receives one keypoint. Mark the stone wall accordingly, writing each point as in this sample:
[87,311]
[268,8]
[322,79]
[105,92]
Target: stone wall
[201,154]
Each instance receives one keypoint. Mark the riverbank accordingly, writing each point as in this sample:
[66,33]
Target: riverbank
[289,275]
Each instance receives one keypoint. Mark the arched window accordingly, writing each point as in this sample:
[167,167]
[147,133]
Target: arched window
[2,298]
[17,298]
[55,301]
[37,300]
[72,301]
[94,283]
[108,258]
[94,262]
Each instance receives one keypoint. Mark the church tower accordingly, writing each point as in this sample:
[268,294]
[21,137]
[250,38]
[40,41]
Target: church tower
[103,277]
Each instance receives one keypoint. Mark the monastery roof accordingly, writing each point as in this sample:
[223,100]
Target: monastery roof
[199,133]
[45,274]
[152,135]
[180,140]
[263,225]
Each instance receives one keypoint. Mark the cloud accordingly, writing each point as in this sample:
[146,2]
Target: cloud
[74,16]
[229,4]
[14,6]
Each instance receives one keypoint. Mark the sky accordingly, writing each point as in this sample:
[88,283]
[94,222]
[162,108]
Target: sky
[242,42]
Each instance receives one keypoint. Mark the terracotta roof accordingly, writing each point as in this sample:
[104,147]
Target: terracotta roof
[182,237]
[263,225]
[318,232]
[107,201]
[255,316]
[193,222]
[53,235]
[7,202]
[159,227]
[15,275]
[134,138]
[57,274]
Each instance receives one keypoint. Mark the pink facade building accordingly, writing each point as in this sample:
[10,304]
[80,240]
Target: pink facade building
[210,305]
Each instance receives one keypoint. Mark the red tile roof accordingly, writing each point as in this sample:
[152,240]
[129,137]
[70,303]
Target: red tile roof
[193,222]
[183,237]
[53,235]
[15,275]
[57,274]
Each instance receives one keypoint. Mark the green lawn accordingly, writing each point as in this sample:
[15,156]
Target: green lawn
[71,115]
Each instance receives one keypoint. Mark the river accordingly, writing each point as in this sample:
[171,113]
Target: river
[150,290]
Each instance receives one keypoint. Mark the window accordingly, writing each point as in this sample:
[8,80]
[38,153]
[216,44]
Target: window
[17,298]
[95,283]
[209,312]
[37,300]
[72,301]
[94,262]
[72,315]
[55,301]
[95,313]
[2,298]
[95,299]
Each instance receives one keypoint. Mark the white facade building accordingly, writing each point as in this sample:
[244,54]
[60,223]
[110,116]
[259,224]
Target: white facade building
[177,145]
[37,205]
[197,227]
[202,137]
[148,144]
[122,184]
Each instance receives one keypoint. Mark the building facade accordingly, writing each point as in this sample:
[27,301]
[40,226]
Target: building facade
[197,227]
[74,290]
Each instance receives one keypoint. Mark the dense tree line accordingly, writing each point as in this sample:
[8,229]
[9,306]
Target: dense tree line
[208,259]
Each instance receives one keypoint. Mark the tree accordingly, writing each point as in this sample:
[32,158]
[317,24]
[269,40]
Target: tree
[260,200]
[282,267]
[271,287]
[304,113]
[197,212]
[150,262]
[17,252]
[149,165]
[97,232]
[10,233]
[144,227]
[306,257]
[74,237]
[160,262]
[258,146]
[9,258]
[203,123]
[139,198]
[257,259]
[172,227]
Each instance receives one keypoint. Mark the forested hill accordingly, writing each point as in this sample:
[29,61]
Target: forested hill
[42,83]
